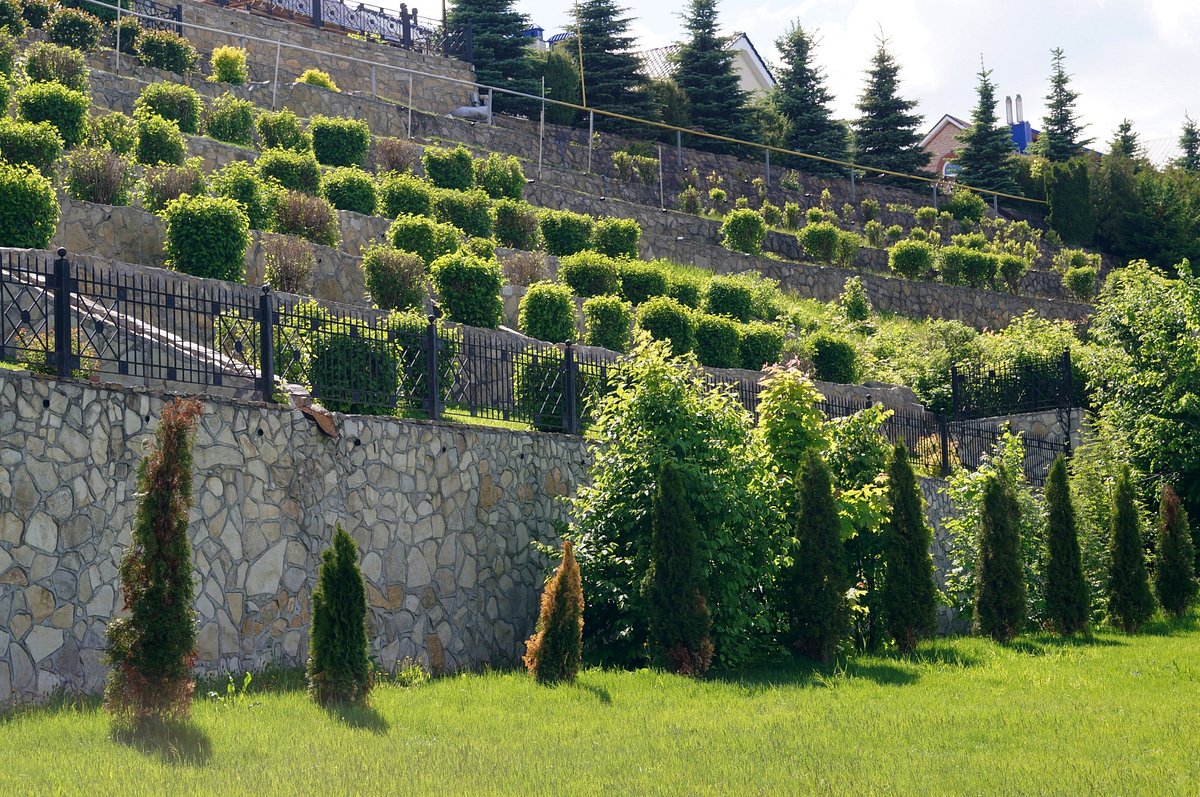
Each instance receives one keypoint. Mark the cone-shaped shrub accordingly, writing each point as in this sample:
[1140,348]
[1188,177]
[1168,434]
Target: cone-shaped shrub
[1000,585]
[1067,602]
[152,649]
[909,595]
[1130,602]
[1174,578]
[679,617]
[338,668]
[553,653]
[816,582]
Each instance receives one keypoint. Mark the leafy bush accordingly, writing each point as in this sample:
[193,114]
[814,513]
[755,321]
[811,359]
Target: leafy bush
[125,34]
[339,667]
[894,232]
[641,281]
[28,208]
[351,366]
[547,313]
[563,232]
[856,306]
[207,237]
[666,319]
[337,141]
[515,224]
[310,217]
[282,130]
[72,27]
[718,341]
[13,18]
[469,211]
[396,155]
[729,296]
[685,289]
[911,259]
[240,181]
[743,231]
[97,175]
[62,107]
[315,77]
[606,321]
[469,289]
[952,264]
[449,168]
[980,268]
[500,176]
[688,200]
[115,132]
[174,102]
[53,63]
[405,194]
[8,56]
[229,65]
[635,168]
[1080,282]
[36,144]
[288,263]
[37,12]
[350,188]
[820,241]
[295,171]
[481,247]
[718,198]
[966,206]
[846,249]
[590,274]
[524,268]
[760,345]
[554,652]
[230,120]
[926,216]
[834,358]
[159,142]
[791,215]
[395,280]
[1012,268]
[616,237]
[771,214]
[874,232]
[423,236]
[165,49]
[869,208]
[162,184]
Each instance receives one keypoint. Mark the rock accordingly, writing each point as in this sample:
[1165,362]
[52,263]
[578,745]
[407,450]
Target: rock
[266,572]
[42,532]
[40,603]
[43,641]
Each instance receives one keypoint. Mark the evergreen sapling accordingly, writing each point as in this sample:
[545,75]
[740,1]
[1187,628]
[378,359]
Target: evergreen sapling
[1174,577]
[1000,583]
[909,594]
[553,653]
[1067,601]
[339,669]
[1130,603]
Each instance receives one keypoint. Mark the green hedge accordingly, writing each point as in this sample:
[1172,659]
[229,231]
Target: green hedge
[449,168]
[394,279]
[500,176]
[62,107]
[547,313]
[589,274]
[12,21]
[607,321]
[296,171]
[28,207]
[72,27]
[405,195]
[743,231]
[240,181]
[54,63]
[469,289]
[718,341]
[172,101]
[666,319]
[834,358]
[207,237]
[230,120]
[162,184]
[309,217]
[351,367]
[337,141]
[423,236]
[761,345]
[911,259]
[616,237]
[37,144]
[515,224]
[159,142]
[350,188]
[469,211]
[282,130]
[563,232]
[115,132]
[641,281]
[164,49]
[229,65]
[729,296]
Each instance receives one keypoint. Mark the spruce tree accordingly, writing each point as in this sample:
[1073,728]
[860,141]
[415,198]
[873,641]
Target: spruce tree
[817,580]
[1189,143]
[909,595]
[886,135]
[339,669]
[1061,137]
[999,581]
[679,617]
[1067,602]
[986,154]
[613,76]
[802,96]
[554,652]
[1069,197]
[499,53]
[1130,603]
[562,84]
[704,70]
[152,649]
[1125,142]
[1174,574]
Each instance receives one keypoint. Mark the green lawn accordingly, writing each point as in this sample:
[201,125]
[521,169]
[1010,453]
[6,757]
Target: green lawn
[1114,715]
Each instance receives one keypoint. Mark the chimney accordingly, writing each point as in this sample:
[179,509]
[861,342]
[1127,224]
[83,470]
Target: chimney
[1008,110]
[1020,111]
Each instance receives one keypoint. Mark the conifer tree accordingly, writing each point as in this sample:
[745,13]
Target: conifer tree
[1067,602]
[1061,137]
[909,597]
[613,76]
[562,84]
[817,580]
[1125,141]
[152,649]
[1130,603]
[498,47]
[1174,576]
[554,652]
[1189,143]
[986,154]
[1069,196]
[679,616]
[886,134]
[1000,583]
[704,70]
[802,96]
[339,669]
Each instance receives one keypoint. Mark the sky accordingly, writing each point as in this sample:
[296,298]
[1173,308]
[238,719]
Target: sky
[1128,58]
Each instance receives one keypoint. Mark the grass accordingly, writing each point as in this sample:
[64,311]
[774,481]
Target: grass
[1113,714]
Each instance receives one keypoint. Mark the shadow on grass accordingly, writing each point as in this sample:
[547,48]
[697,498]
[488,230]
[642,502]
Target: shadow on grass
[599,691]
[364,718]
[1044,643]
[173,741]
[1165,625]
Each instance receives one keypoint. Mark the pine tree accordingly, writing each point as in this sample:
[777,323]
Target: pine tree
[1130,603]
[554,652]
[1000,583]
[679,617]
[802,96]
[1067,602]
[339,669]
[886,134]
[816,581]
[986,154]
[498,47]
[909,595]
[613,76]
[153,648]
[1061,136]
[704,70]
[1174,576]
[1189,142]
[1125,141]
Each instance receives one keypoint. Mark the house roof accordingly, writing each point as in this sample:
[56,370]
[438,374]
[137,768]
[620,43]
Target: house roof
[659,64]
[946,119]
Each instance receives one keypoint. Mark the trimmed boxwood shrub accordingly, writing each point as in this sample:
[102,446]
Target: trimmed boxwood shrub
[1080,282]
[980,269]
[469,289]
[315,77]
[395,280]
[405,194]
[607,321]
[125,34]
[28,207]
[37,144]
[761,345]
[352,367]
[966,205]
[911,259]
[207,237]
[115,132]
[295,171]
[62,107]
[350,188]
[834,358]
[164,49]
[958,265]
[718,341]
[819,240]
[309,217]
[666,319]
[469,211]
[547,313]
[846,249]
[641,281]
[53,63]
[590,274]
[729,296]
[162,184]
[500,176]
[101,12]
[282,130]
[240,182]
[616,237]
[743,231]
[424,236]
[449,168]
[564,232]
[36,12]
[685,289]
[97,175]
[12,20]
[515,224]
[159,141]
[337,141]
[229,65]
[230,120]
[172,101]
[72,27]
[1012,268]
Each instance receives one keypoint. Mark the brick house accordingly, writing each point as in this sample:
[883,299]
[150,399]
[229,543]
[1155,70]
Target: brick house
[941,143]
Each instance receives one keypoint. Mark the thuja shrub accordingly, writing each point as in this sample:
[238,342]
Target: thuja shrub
[999,580]
[1130,602]
[717,341]
[282,130]
[350,188]
[53,63]
[469,211]
[449,168]
[1174,574]
[666,319]
[338,141]
[743,231]
[339,667]
[910,597]
[230,120]
[607,321]
[616,237]
[911,259]
[547,312]
[288,263]
[563,232]
[315,77]
[295,171]
[500,176]
[424,236]
[590,274]
[729,296]
[394,279]
[115,132]
[1067,600]
[153,648]
[515,224]
[207,237]
[309,217]
[240,182]
[405,195]
[162,184]
[164,49]
[641,281]
[97,175]
[62,107]
[35,144]
[228,65]
[28,207]
[760,345]
[554,652]
[73,27]
[159,142]
[834,358]
[172,101]
[469,289]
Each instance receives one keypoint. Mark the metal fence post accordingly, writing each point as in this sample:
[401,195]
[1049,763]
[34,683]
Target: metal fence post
[591,137]
[410,103]
[944,436]
[275,81]
[178,19]
[935,207]
[316,14]
[435,387]
[768,168]
[954,385]
[853,191]
[570,413]
[1068,386]
[266,343]
[679,150]
[62,315]
[996,203]
[662,198]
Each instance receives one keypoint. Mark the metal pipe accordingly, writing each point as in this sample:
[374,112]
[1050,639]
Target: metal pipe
[542,128]
[410,105]
[591,136]
[275,82]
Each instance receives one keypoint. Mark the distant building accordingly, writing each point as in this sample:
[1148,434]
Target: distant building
[753,73]
[942,142]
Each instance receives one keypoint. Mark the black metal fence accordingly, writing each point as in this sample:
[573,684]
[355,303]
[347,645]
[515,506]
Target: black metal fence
[158,15]
[1048,384]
